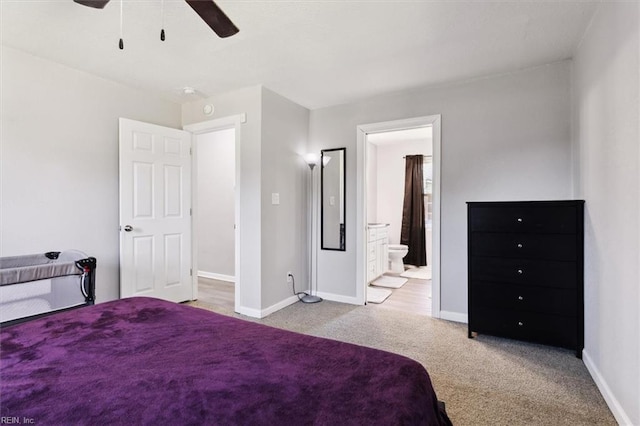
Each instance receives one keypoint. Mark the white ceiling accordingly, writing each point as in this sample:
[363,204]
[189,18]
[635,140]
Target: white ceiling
[316,53]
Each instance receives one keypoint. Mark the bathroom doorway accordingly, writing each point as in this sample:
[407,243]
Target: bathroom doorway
[384,148]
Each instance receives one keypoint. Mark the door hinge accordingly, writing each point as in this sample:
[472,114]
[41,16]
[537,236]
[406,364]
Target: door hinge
[190,211]
[191,271]
[190,151]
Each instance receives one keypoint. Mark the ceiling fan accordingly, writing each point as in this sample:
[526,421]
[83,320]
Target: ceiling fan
[210,13]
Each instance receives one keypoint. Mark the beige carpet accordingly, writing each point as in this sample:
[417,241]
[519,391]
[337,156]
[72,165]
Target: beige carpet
[483,381]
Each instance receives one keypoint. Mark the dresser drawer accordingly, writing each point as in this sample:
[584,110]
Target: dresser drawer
[556,219]
[499,296]
[528,246]
[542,328]
[543,273]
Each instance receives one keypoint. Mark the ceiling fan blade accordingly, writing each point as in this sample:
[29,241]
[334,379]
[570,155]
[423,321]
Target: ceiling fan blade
[96,4]
[214,17]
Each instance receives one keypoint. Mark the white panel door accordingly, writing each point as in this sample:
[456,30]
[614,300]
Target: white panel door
[155,211]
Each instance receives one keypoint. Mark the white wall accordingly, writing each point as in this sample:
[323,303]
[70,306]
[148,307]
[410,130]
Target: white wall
[503,138]
[606,87]
[272,237]
[216,202]
[59,160]
[285,128]
[391,177]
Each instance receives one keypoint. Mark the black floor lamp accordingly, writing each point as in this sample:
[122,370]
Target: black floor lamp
[312,160]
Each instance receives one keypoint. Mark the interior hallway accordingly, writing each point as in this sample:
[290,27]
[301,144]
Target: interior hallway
[216,292]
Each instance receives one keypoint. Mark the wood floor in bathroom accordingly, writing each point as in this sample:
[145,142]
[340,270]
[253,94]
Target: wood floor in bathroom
[414,296]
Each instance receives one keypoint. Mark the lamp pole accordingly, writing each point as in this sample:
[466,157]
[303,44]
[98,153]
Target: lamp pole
[311,160]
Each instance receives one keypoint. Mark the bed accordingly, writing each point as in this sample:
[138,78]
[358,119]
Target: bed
[146,361]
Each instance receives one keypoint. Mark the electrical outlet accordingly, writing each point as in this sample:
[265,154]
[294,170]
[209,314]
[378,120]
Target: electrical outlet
[289,277]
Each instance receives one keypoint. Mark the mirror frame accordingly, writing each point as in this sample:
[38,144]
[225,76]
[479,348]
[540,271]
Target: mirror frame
[343,234]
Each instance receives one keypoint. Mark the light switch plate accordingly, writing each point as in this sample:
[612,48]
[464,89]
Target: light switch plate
[275,198]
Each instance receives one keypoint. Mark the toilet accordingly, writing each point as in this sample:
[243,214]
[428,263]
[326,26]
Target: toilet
[396,253]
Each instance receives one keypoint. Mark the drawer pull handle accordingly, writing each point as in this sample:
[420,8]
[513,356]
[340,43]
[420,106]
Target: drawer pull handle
[520,323]
[519,220]
[519,245]
[520,271]
[520,298]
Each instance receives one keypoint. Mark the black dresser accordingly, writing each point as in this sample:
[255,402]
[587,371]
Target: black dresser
[526,271]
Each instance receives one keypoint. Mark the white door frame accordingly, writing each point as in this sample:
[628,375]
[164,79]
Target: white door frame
[361,200]
[235,122]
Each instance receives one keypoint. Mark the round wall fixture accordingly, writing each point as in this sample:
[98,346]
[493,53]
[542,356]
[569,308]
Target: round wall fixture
[207,109]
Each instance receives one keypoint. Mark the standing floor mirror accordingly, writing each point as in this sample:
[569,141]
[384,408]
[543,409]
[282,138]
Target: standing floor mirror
[332,208]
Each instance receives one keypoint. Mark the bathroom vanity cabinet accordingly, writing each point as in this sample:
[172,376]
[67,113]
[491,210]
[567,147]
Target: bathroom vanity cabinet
[525,271]
[377,251]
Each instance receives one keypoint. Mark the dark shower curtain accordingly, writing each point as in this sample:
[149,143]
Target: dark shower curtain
[412,232]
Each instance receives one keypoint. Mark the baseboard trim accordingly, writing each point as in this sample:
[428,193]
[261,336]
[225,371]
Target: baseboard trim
[618,412]
[293,299]
[280,305]
[454,316]
[219,277]
[261,313]
[250,312]
[339,298]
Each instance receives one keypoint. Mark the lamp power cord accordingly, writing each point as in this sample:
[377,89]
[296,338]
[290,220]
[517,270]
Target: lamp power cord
[300,294]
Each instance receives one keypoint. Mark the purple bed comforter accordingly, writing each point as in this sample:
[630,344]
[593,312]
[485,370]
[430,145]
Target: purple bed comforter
[145,361]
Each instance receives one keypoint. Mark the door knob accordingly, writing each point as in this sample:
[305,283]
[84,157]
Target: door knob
[128,228]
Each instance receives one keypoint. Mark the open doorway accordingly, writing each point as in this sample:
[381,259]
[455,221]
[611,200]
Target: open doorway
[226,131]
[214,219]
[405,280]
[383,151]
